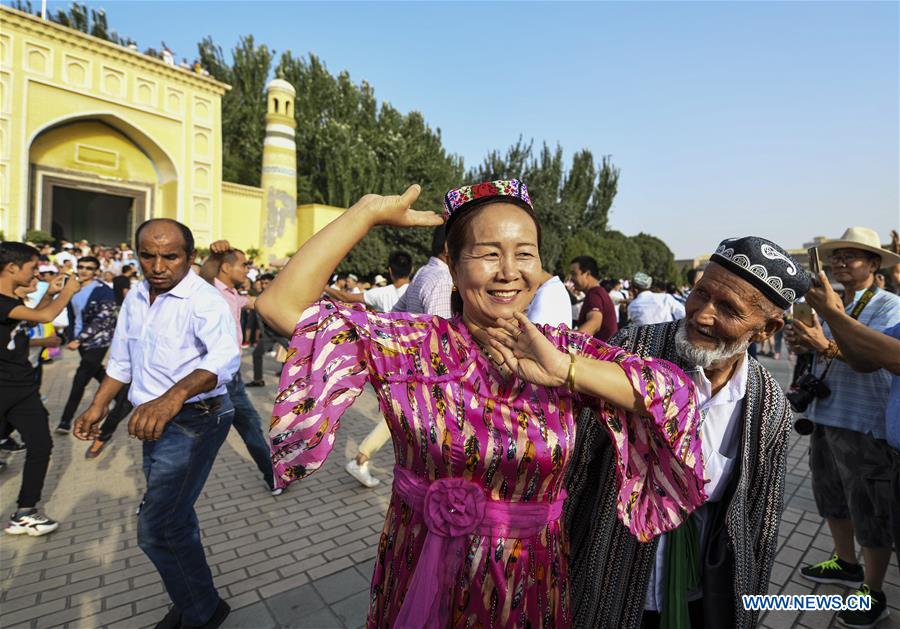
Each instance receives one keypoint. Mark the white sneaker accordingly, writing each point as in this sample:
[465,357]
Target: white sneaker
[361,473]
[275,491]
[32,523]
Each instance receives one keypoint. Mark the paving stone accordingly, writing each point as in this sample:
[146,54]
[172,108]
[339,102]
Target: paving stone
[352,610]
[340,585]
[780,573]
[320,619]
[283,584]
[243,600]
[112,617]
[251,583]
[72,588]
[251,616]
[290,605]
[329,568]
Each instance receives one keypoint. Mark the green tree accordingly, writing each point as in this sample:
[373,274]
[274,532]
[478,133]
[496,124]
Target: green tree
[348,145]
[79,17]
[243,106]
[657,259]
[564,201]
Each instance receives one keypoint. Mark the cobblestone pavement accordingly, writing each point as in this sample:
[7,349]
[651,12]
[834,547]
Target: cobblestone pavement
[302,559]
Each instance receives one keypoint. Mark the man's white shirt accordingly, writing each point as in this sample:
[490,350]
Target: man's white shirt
[720,438]
[383,298]
[186,328]
[551,304]
[649,308]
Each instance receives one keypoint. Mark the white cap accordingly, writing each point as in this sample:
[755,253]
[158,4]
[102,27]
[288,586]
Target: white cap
[47,268]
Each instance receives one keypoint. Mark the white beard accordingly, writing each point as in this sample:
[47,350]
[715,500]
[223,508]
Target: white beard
[706,358]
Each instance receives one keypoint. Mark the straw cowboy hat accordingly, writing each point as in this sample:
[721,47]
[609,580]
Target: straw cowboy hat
[865,239]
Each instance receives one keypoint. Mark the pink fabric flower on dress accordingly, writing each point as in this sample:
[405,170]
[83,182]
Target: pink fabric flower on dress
[453,507]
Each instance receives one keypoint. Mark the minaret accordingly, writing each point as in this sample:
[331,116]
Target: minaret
[279,173]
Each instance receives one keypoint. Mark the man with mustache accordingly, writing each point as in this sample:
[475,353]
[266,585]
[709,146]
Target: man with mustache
[695,575]
[175,345]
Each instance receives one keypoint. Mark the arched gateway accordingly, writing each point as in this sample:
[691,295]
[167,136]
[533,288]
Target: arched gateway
[95,138]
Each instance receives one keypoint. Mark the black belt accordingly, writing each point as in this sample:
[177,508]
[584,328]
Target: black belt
[206,405]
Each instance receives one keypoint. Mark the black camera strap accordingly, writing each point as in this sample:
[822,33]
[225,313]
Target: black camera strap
[854,314]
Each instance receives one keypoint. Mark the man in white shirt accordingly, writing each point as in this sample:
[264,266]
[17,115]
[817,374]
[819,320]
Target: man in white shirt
[550,304]
[648,308]
[381,298]
[175,343]
[67,253]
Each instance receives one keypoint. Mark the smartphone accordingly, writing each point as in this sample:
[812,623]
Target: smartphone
[815,262]
[804,312]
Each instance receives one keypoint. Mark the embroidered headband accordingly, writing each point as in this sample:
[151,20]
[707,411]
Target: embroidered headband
[466,197]
[765,265]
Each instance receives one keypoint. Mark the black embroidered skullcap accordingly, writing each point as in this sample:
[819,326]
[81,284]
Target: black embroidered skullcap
[767,266]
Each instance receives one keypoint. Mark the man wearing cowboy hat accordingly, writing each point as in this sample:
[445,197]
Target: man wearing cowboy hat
[850,461]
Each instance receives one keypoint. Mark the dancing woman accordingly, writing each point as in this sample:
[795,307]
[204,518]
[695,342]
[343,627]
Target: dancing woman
[481,409]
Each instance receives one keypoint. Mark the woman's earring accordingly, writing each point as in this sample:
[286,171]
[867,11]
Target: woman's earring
[453,290]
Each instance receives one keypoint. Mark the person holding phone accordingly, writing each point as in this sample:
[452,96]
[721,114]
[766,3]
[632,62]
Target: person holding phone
[850,460]
[20,398]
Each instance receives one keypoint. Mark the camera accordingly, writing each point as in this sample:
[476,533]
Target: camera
[804,426]
[807,389]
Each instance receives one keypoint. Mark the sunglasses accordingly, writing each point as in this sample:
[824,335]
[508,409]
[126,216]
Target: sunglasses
[841,258]
[82,267]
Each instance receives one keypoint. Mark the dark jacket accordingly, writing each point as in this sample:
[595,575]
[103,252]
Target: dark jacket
[98,318]
[610,570]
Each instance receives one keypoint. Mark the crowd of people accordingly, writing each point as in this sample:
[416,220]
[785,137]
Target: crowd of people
[569,450]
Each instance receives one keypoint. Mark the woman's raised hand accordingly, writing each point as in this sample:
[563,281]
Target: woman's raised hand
[528,353]
[396,210]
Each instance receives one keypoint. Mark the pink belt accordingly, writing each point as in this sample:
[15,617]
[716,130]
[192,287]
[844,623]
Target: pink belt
[452,509]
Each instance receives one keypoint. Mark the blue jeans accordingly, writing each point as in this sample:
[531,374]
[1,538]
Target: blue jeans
[176,467]
[249,426]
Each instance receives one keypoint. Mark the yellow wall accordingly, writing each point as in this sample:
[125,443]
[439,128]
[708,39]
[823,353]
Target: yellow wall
[94,148]
[52,75]
[241,214]
[83,108]
[312,217]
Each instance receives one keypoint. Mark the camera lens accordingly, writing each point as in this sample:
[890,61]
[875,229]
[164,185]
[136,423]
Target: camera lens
[804,426]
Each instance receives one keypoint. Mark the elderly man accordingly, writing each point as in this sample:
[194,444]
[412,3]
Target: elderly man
[175,343]
[850,459]
[694,575]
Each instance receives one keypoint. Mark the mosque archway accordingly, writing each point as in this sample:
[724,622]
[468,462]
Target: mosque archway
[96,178]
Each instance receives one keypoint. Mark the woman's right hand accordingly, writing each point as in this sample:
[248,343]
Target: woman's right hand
[396,210]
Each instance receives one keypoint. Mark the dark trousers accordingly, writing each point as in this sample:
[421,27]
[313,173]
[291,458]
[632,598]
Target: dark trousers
[21,408]
[248,423]
[91,367]
[6,429]
[120,411]
[268,339]
[176,467]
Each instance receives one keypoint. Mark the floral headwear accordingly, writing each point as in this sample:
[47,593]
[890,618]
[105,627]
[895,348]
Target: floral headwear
[466,197]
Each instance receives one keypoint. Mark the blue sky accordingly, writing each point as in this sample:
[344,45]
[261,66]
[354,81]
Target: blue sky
[775,119]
